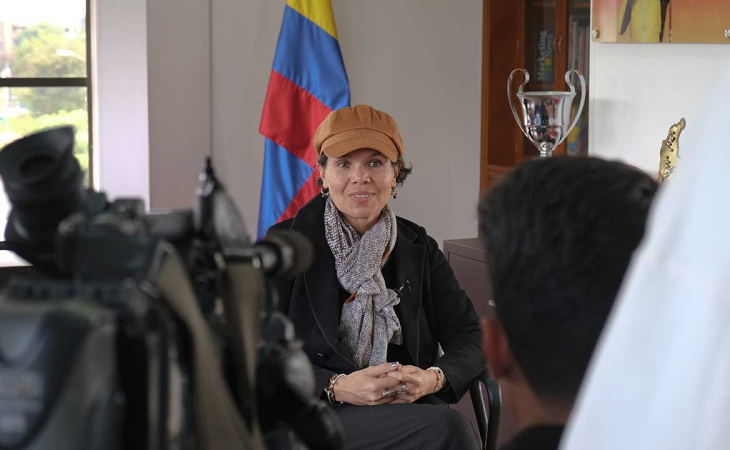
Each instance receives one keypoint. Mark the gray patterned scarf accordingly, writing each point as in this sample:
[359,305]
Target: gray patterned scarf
[368,322]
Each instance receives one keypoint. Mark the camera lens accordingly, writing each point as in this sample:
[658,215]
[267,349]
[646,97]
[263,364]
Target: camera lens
[44,184]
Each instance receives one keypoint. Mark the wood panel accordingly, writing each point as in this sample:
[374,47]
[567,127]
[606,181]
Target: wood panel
[501,30]
[496,173]
[468,260]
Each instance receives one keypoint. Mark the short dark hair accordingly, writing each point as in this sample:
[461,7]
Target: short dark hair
[559,234]
[403,172]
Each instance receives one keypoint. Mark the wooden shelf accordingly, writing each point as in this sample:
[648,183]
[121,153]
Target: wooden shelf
[580,5]
[496,172]
[536,86]
[541,4]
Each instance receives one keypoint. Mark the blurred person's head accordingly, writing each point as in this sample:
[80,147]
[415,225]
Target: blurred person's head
[559,234]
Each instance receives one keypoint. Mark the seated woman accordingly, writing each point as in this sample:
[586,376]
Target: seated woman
[380,299]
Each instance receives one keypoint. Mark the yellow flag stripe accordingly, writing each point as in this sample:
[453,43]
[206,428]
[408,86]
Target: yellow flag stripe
[318,11]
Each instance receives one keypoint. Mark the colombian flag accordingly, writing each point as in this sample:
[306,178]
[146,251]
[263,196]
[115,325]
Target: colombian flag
[307,82]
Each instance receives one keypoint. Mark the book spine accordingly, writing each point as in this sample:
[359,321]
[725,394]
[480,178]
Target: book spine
[544,56]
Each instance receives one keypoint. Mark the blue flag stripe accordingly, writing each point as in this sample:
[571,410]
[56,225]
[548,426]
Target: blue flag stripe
[284,174]
[310,57]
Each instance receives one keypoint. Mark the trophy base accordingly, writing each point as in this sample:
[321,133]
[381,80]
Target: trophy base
[546,149]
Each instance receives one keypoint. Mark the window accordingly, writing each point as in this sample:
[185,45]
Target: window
[45,73]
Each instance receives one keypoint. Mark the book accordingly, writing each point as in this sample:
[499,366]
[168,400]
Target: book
[544,56]
[579,39]
[577,140]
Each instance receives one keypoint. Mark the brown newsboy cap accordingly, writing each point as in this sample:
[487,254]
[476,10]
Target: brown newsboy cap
[356,127]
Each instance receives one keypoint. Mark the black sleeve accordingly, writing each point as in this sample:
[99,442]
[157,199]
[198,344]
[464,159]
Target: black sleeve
[457,327]
[284,290]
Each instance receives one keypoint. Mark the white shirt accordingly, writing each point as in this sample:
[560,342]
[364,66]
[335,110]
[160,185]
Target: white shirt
[660,377]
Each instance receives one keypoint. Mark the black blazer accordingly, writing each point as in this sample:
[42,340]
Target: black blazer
[433,309]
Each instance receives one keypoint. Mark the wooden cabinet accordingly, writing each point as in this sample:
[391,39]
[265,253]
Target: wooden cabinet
[546,38]
[468,259]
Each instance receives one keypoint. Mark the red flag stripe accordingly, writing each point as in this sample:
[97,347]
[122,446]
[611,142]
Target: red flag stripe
[291,116]
[305,194]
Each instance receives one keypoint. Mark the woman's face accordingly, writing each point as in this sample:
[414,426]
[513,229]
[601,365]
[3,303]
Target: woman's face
[360,183]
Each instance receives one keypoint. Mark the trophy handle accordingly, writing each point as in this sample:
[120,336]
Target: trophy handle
[582,99]
[519,90]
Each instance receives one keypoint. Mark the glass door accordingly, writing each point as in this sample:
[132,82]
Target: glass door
[541,55]
[578,40]
[556,38]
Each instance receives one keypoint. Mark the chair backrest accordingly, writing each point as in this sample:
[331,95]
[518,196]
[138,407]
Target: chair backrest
[487,419]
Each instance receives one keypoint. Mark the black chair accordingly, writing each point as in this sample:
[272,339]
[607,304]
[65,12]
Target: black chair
[487,420]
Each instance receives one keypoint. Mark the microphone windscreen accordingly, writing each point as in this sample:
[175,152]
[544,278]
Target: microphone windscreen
[295,249]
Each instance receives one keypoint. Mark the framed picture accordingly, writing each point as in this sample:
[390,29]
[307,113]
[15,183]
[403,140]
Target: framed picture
[661,21]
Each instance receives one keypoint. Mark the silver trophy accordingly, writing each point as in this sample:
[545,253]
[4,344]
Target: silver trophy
[545,114]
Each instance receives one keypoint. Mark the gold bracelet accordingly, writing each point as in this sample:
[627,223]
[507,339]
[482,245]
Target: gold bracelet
[329,390]
[440,378]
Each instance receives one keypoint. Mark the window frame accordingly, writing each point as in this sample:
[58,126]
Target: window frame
[33,82]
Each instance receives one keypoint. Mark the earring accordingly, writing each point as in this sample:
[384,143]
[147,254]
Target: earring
[324,191]
[394,192]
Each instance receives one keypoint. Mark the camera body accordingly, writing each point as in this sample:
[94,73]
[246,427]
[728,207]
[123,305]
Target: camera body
[91,354]
[92,365]
[147,330]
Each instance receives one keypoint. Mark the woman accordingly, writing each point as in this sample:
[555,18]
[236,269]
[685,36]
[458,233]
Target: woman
[380,299]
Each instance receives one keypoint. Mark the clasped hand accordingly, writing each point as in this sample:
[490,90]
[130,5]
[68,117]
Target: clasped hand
[385,383]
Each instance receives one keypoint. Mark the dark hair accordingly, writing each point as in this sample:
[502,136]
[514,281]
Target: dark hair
[403,172]
[559,234]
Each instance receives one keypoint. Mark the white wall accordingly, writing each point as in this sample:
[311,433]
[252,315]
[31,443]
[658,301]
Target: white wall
[639,90]
[119,77]
[244,41]
[419,60]
[178,35]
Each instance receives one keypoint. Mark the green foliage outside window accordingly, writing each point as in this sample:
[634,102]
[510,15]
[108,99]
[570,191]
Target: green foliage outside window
[36,55]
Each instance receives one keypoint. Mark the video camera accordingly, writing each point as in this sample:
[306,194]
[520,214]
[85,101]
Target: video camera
[145,331]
